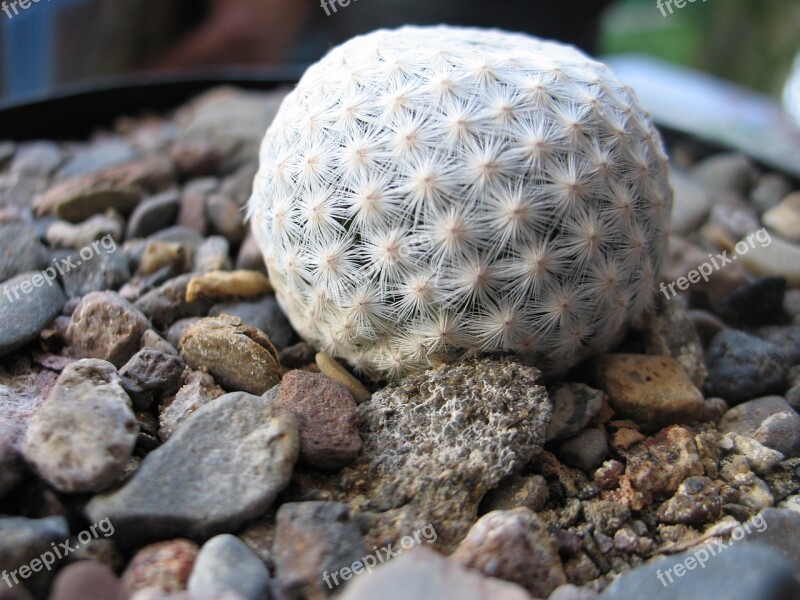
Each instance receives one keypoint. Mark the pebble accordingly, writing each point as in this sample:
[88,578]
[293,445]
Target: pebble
[653,391]
[240,358]
[151,339]
[784,219]
[23,540]
[779,529]
[153,214]
[25,312]
[106,326]
[98,156]
[251,439]
[266,315]
[732,218]
[777,257]
[225,564]
[785,337]
[105,271]
[312,540]
[756,303]
[194,196]
[707,326]
[159,255]
[87,580]
[731,173]
[150,373]
[685,257]
[165,566]
[36,159]
[573,592]
[759,458]
[742,367]
[424,574]
[605,517]
[326,418]
[250,257]
[769,191]
[61,234]
[167,303]
[226,218]
[83,435]
[198,391]
[741,572]
[585,451]
[755,495]
[528,491]
[574,405]
[769,421]
[663,461]
[298,356]
[431,449]
[195,159]
[671,332]
[696,502]
[212,255]
[330,367]
[513,546]
[690,204]
[20,251]
[7,151]
[228,284]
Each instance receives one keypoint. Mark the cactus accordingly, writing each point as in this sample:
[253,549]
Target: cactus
[430,193]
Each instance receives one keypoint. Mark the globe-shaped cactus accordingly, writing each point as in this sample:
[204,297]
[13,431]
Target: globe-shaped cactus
[430,193]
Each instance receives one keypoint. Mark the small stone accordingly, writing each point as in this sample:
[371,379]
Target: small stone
[87,580]
[225,564]
[585,451]
[212,255]
[26,309]
[198,391]
[165,566]
[314,540]
[163,255]
[654,391]
[331,368]
[772,256]
[106,270]
[298,356]
[193,204]
[150,373]
[756,303]
[195,159]
[326,418]
[786,338]
[424,574]
[769,191]
[686,257]
[61,234]
[784,219]
[179,489]
[250,257]
[671,332]
[769,420]
[605,517]
[226,218]
[151,339]
[167,303]
[731,173]
[240,358]
[696,502]
[153,214]
[514,546]
[266,315]
[83,435]
[706,324]
[742,367]
[178,328]
[760,458]
[574,405]
[573,592]
[607,476]
[729,220]
[779,529]
[755,494]
[663,461]
[20,251]
[741,572]
[22,540]
[527,491]
[106,326]
[36,159]
[690,204]
[228,284]
[178,234]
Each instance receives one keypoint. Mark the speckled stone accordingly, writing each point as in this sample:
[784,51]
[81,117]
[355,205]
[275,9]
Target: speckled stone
[165,566]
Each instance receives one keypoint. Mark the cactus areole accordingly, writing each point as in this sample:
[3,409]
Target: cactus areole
[430,193]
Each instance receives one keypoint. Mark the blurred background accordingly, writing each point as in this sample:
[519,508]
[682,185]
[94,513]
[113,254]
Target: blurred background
[56,43]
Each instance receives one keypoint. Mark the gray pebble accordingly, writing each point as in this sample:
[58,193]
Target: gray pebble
[26,308]
[20,251]
[98,156]
[586,451]
[153,214]
[769,420]
[225,564]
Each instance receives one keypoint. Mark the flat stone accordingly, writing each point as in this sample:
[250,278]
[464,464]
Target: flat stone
[313,540]
[585,451]
[265,315]
[434,444]
[26,309]
[671,332]
[769,420]
[153,214]
[784,219]
[198,391]
[225,564]
[106,326]
[424,574]
[741,572]
[167,303]
[690,204]
[240,358]
[659,464]
[224,466]
[149,374]
[83,435]
[775,257]
[165,566]
[513,546]
[20,251]
[654,391]
[742,367]
[326,418]
[574,405]
[62,234]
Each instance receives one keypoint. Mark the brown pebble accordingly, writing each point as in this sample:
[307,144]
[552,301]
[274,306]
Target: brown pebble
[228,284]
[330,367]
